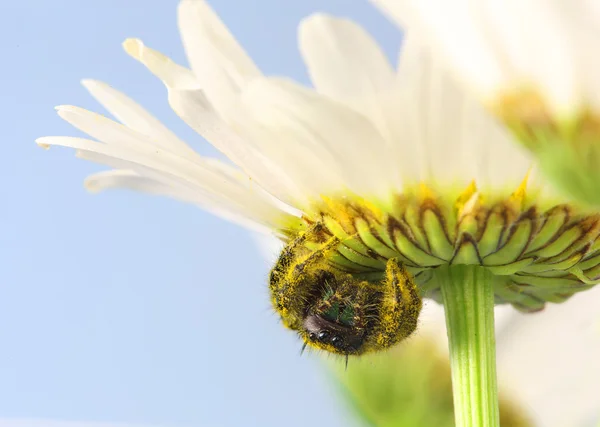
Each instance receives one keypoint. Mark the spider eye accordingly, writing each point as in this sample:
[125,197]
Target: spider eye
[323,335]
[331,336]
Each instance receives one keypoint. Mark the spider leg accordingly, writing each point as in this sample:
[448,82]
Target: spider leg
[314,258]
[286,258]
[293,278]
[400,307]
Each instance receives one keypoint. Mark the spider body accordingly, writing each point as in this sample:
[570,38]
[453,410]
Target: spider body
[336,311]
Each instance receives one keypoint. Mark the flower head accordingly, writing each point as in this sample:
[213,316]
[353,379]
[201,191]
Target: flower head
[375,176]
[534,65]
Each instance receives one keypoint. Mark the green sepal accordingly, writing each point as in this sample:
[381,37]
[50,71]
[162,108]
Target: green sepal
[358,258]
[509,269]
[366,234]
[411,251]
[468,225]
[383,233]
[466,252]
[544,266]
[516,243]
[436,235]
[593,274]
[576,250]
[555,220]
[551,296]
[516,295]
[413,220]
[338,231]
[589,276]
[490,238]
[594,248]
[547,282]
[345,264]
[548,273]
[589,261]
[566,239]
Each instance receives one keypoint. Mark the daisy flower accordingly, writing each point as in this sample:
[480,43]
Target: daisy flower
[386,184]
[533,64]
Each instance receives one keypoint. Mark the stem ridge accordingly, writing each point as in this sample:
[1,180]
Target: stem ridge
[468,296]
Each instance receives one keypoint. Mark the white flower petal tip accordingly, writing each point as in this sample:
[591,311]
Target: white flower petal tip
[102,181]
[197,6]
[42,144]
[134,116]
[173,75]
[46,142]
[344,62]
[396,10]
[133,47]
[316,19]
[93,85]
[219,62]
[61,109]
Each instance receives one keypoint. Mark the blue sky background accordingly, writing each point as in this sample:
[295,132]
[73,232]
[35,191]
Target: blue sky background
[123,307]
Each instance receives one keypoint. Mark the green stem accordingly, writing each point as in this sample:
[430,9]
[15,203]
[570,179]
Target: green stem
[468,297]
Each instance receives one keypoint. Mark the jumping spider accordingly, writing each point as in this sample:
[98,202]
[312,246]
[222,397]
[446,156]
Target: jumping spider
[335,311]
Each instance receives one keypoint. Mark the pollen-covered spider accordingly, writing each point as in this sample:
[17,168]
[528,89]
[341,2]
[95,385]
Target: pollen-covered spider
[336,311]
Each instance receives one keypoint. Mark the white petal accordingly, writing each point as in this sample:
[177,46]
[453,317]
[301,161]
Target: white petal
[195,110]
[158,161]
[450,29]
[357,147]
[132,115]
[172,74]
[534,52]
[343,60]
[104,129]
[289,142]
[219,62]
[192,105]
[230,190]
[346,64]
[498,46]
[500,162]
[400,12]
[425,98]
[582,28]
[131,180]
[455,139]
[136,144]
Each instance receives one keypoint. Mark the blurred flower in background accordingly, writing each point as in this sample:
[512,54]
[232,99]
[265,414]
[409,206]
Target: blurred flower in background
[532,63]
